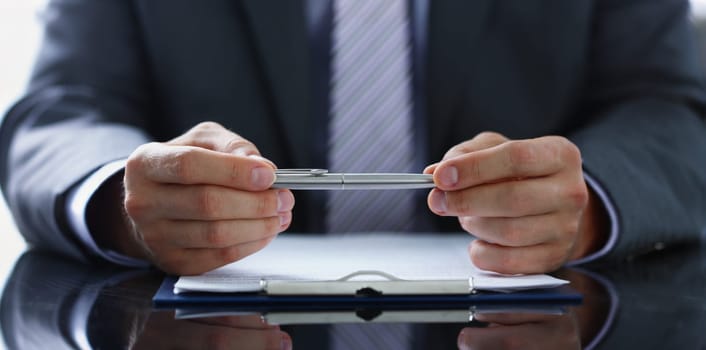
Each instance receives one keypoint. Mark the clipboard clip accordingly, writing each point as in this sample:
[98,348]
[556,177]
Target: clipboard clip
[368,291]
[348,285]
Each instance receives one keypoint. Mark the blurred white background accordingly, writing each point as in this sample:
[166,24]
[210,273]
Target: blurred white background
[19,37]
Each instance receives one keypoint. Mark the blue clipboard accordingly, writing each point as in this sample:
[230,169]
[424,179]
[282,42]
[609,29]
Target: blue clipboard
[165,298]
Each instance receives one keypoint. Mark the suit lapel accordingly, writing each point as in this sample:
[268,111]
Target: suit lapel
[280,37]
[455,28]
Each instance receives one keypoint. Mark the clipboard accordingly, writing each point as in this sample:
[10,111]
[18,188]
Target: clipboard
[165,298]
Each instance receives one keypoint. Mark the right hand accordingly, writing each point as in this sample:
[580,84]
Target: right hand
[202,200]
[163,331]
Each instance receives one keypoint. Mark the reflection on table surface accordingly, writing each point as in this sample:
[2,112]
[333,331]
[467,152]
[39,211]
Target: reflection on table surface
[53,302]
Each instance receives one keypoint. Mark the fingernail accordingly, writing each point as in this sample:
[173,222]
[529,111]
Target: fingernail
[461,340]
[285,201]
[286,343]
[284,219]
[448,176]
[262,177]
[429,169]
[438,201]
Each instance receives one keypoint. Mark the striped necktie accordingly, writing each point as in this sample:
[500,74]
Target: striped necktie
[371,112]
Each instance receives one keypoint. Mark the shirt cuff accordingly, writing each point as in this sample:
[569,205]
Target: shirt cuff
[612,216]
[78,198]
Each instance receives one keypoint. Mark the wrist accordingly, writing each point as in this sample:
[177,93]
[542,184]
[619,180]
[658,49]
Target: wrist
[108,222]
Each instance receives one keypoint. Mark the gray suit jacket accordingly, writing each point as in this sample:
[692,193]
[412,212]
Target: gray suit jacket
[619,78]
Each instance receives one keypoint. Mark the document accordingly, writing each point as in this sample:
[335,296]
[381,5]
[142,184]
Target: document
[389,263]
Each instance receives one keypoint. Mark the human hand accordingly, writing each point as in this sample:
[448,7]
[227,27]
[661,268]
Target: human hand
[162,331]
[525,200]
[522,331]
[202,200]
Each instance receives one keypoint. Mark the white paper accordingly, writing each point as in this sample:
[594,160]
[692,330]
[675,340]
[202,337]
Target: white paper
[416,257]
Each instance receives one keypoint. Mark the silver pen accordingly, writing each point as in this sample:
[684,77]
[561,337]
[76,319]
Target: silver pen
[321,179]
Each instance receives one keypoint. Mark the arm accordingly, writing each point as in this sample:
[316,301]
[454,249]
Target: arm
[85,106]
[191,199]
[646,147]
[526,199]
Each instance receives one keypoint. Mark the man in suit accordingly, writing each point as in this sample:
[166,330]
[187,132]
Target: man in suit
[107,155]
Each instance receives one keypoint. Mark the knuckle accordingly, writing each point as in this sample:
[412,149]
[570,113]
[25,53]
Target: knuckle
[207,126]
[491,136]
[230,254]
[137,160]
[236,172]
[134,165]
[208,202]
[472,166]
[458,203]
[272,225]
[569,152]
[239,143]
[266,204]
[216,234]
[455,151]
[577,196]
[135,206]
[572,227]
[520,154]
[181,164]
[200,134]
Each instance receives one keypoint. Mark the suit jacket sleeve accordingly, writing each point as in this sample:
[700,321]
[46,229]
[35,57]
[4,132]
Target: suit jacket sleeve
[86,105]
[647,145]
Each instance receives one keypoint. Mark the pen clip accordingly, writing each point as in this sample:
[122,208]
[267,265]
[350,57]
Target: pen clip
[312,172]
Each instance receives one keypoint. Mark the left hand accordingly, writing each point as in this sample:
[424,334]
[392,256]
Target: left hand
[525,200]
[523,331]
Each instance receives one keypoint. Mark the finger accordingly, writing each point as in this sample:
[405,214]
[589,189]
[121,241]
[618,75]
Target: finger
[515,318]
[162,331]
[219,234]
[481,141]
[510,160]
[205,336]
[521,231]
[211,203]
[430,168]
[540,258]
[199,260]
[524,336]
[506,199]
[254,321]
[194,165]
[213,136]
[206,203]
